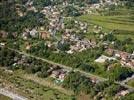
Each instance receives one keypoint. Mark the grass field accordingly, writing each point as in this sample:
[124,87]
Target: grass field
[131,83]
[123,23]
[32,89]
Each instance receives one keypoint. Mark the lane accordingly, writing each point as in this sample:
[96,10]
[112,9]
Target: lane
[60,65]
[70,68]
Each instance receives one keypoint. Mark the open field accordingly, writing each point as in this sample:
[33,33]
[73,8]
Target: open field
[47,83]
[131,82]
[123,23]
[29,88]
[120,23]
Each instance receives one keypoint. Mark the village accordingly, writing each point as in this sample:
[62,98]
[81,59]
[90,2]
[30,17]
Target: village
[69,45]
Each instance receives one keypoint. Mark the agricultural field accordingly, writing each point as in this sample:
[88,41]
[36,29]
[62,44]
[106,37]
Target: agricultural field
[31,89]
[123,23]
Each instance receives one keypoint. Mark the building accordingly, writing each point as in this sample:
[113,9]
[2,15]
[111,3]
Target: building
[44,35]
[103,59]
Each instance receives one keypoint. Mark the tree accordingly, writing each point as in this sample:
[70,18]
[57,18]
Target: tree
[110,37]
[69,24]
[63,46]
[71,11]
[113,89]
[101,86]
[121,73]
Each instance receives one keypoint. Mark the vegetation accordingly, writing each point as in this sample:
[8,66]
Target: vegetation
[120,23]
[12,22]
[74,81]
[116,28]
[11,59]
[77,83]
[30,89]
[4,97]
[71,11]
[83,60]
[129,96]
[131,82]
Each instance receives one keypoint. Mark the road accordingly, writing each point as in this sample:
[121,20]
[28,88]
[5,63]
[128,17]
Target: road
[12,95]
[60,65]
[70,68]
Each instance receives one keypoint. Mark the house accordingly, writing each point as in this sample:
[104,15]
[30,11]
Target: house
[62,76]
[55,74]
[94,80]
[15,34]
[25,35]
[110,51]
[130,64]
[122,93]
[97,29]
[127,63]
[124,55]
[132,55]
[44,35]
[28,46]
[59,74]
[33,32]
[70,52]
[103,59]
[3,34]
[2,44]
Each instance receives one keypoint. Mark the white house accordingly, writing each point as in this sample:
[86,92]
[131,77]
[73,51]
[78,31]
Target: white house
[103,58]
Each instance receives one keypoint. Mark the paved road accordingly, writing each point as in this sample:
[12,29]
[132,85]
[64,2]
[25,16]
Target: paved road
[12,95]
[69,68]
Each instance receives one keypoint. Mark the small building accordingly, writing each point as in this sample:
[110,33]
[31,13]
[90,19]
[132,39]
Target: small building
[3,34]
[103,59]
[55,74]
[124,55]
[44,35]
[2,44]
[110,51]
[62,76]
[28,46]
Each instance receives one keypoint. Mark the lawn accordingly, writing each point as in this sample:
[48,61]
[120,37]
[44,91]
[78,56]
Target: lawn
[131,83]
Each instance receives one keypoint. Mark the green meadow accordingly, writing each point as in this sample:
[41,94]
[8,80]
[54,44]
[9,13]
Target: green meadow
[123,22]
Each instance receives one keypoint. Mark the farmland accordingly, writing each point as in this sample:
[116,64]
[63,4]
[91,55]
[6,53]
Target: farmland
[29,88]
[122,23]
